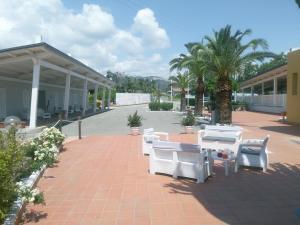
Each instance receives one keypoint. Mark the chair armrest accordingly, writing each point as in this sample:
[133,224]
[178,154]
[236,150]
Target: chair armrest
[253,142]
[162,134]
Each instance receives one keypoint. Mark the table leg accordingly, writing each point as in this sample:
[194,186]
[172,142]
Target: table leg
[226,164]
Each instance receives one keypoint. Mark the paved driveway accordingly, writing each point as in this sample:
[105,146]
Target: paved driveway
[115,122]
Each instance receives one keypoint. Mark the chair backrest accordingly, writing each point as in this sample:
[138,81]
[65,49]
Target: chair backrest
[213,139]
[185,152]
[224,128]
[149,138]
[215,135]
[149,131]
[176,146]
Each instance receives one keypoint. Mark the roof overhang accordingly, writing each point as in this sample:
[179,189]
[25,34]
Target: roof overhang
[16,63]
[271,74]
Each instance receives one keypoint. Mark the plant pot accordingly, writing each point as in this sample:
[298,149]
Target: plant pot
[189,129]
[135,130]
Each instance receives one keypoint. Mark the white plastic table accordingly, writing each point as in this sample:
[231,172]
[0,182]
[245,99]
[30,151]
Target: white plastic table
[226,161]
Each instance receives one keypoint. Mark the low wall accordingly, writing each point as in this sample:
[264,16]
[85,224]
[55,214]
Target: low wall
[132,98]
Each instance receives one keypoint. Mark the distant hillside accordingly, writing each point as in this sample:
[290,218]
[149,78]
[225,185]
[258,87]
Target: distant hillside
[128,83]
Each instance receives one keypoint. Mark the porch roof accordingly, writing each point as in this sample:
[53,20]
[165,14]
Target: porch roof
[268,75]
[16,63]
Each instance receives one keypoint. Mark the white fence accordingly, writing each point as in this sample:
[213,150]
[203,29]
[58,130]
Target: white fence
[132,98]
[265,103]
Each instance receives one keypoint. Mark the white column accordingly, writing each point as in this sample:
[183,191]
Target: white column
[109,96]
[243,95]
[34,92]
[95,97]
[84,97]
[262,93]
[67,95]
[103,99]
[274,91]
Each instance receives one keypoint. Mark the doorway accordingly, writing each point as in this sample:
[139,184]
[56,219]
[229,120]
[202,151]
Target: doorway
[2,103]
[42,100]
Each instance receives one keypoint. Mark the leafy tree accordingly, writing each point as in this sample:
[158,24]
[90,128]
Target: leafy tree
[225,56]
[193,63]
[181,81]
[252,69]
[298,3]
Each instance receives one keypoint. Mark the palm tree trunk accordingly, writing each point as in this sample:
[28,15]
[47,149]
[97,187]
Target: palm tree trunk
[223,101]
[199,96]
[182,101]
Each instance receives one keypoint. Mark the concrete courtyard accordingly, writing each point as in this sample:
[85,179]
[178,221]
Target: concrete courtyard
[103,179]
[115,122]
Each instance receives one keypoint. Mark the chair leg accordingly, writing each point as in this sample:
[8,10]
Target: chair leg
[236,166]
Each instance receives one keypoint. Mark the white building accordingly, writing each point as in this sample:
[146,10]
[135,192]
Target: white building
[266,92]
[37,79]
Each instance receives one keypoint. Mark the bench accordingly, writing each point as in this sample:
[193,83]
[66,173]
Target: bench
[180,159]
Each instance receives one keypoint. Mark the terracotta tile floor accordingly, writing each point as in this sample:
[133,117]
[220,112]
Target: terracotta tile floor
[105,180]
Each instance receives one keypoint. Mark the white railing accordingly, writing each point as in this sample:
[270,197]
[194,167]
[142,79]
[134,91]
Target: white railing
[265,100]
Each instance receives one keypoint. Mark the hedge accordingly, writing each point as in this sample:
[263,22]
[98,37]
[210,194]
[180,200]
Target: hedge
[157,106]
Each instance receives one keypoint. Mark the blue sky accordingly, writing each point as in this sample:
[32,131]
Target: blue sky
[277,21]
[140,37]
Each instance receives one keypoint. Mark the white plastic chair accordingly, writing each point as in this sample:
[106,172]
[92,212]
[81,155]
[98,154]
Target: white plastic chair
[253,153]
[179,159]
[149,136]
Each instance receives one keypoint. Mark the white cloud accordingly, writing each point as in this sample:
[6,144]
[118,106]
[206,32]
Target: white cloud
[146,24]
[152,65]
[90,35]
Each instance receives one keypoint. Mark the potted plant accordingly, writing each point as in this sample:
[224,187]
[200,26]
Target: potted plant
[188,122]
[134,122]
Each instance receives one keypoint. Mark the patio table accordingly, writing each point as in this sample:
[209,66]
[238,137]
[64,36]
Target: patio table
[226,156]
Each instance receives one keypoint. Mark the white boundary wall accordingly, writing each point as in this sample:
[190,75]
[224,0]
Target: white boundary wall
[132,98]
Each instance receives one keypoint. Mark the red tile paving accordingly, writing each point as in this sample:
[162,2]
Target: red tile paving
[104,180]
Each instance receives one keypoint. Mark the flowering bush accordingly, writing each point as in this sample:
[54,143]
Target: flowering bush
[29,195]
[52,136]
[19,160]
[43,149]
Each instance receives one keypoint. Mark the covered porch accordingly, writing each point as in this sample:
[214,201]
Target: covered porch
[266,92]
[40,82]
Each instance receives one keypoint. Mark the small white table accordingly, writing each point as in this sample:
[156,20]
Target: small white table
[219,155]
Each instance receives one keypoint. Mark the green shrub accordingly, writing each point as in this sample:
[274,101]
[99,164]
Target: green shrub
[166,106]
[19,161]
[189,119]
[134,120]
[239,105]
[11,158]
[154,106]
[191,102]
[157,106]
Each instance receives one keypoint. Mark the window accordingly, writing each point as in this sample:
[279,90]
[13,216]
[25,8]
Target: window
[294,84]
[281,85]
[268,87]
[257,89]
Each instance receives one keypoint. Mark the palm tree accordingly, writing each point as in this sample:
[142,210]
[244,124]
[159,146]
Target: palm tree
[225,56]
[194,64]
[181,81]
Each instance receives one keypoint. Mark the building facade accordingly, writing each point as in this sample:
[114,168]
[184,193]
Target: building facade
[38,79]
[293,87]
